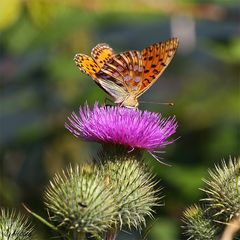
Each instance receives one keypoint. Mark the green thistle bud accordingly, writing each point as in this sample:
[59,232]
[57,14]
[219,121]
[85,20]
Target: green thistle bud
[198,225]
[133,188]
[14,226]
[80,202]
[223,190]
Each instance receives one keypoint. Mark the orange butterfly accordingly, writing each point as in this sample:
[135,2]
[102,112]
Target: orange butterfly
[127,75]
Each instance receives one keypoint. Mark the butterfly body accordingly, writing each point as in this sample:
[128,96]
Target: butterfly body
[127,75]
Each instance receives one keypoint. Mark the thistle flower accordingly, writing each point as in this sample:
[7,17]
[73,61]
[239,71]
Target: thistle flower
[80,202]
[14,226]
[134,129]
[133,188]
[223,190]
[197,224]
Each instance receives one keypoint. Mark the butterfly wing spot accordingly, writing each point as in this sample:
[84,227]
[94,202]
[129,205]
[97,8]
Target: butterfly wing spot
[116,74]
[137,79]
[135,68]
[146,82]
[127,78]
[120,68]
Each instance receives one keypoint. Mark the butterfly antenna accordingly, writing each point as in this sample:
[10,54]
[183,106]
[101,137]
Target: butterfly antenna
[166,103]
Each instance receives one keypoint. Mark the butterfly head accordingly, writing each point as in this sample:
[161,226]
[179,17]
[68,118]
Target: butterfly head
[130,102]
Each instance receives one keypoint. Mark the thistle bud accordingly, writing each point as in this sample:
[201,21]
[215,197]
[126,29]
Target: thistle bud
[223,190]
[197,224]
[14,226]
[133,188]
[79,201]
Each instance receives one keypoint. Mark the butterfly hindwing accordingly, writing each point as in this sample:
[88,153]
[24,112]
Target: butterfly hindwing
[91,65]
[102,53]
[87,65]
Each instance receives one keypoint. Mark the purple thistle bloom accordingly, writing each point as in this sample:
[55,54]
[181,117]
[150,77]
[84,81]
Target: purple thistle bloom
[132,128]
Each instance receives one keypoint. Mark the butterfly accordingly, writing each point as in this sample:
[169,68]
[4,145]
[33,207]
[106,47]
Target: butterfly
[126,76]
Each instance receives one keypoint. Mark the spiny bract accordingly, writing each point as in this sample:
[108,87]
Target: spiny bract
[79,200]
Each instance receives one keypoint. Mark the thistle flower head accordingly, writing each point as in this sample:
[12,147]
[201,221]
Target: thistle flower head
[14,226]
[197,224]
[223,190]
[131,128]
[134,190]
[79,201]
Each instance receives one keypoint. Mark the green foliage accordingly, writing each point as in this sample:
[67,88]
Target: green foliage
[163,228]
[9,13]
[229,53]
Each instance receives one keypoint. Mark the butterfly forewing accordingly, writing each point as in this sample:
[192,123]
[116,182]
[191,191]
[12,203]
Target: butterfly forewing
[155,59]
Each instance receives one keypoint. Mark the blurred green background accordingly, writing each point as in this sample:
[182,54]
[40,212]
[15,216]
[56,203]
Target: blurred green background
[40,86]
